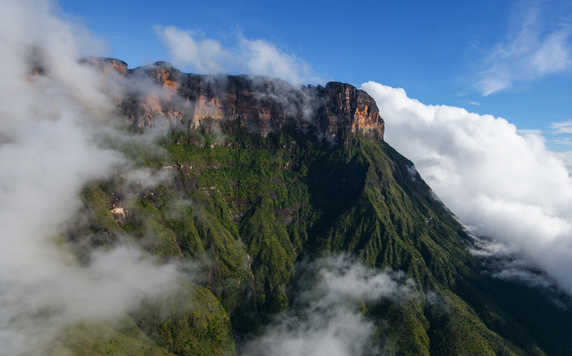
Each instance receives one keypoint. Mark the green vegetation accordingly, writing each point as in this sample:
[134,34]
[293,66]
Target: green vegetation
[250,207]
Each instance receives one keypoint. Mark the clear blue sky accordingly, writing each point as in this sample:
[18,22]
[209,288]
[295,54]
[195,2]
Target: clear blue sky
[436,51]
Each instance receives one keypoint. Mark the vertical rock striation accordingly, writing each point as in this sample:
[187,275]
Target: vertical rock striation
[261,104]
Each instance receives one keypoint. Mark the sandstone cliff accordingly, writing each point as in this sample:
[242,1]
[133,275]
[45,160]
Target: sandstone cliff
[260,104]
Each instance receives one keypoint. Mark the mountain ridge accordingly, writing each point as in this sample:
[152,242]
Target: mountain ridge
[262,104]
[256,190]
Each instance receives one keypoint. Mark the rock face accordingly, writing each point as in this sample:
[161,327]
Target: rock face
[107,64]
[347,107]
[260,104]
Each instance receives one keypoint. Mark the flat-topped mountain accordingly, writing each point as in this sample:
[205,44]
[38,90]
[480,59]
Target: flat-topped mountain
[260,104]
[249,183]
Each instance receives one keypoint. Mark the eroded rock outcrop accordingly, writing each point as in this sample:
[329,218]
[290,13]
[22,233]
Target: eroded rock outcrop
[107,64]
[260,104]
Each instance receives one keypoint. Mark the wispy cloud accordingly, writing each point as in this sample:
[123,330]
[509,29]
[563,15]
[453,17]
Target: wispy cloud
[327,320]
[529,53]
[525,132]
[61,120]
[209,56]
[560,133]
[566,157]
[204,55]
[565,141]
[474,103]
[505,262]
[562,127]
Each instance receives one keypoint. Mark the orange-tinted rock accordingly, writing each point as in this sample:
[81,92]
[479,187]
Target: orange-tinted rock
[107,65]
[262,105]
[353,109]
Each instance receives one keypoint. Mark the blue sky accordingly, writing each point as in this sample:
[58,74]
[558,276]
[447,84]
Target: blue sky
[439,52]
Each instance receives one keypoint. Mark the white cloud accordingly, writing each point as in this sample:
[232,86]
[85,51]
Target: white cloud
[529,53]
[263,58]
[561,132]
[209,56]
[500,182]
[553,54]
[524,132]
[328,321]
[493,80]
[566,157]
[521,274]
[204,55]
[504,262]
[50,130]
[564,141]
[563,127]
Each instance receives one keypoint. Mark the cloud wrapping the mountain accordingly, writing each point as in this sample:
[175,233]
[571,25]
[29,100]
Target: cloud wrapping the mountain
[500,182]
[327,320]
[254,57]
[50,129]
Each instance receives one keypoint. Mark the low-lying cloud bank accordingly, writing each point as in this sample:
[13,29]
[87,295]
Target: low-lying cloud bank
[502,183]
[50,146]
[327,320]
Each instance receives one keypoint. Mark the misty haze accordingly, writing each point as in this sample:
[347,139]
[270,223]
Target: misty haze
[255,178]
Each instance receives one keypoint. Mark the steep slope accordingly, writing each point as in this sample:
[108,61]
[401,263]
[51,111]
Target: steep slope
[262,176]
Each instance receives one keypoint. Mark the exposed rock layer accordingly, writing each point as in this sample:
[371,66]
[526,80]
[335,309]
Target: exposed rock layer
[261,104]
